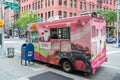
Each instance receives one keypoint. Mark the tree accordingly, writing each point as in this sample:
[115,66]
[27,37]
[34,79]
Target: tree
[110,16]
[25,18]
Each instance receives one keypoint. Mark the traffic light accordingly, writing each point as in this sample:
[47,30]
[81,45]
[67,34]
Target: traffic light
[1,23]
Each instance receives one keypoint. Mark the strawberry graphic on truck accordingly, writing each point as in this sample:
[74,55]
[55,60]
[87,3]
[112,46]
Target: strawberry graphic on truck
[76,43]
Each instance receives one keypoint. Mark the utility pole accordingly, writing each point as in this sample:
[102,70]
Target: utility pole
[117,25]
[2,31]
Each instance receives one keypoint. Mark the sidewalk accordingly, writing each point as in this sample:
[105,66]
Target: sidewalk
[11,69]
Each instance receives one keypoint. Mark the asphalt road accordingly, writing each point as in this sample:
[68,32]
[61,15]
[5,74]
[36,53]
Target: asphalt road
[110,70]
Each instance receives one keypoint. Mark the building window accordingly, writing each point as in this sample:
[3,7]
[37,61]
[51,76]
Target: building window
[49,14]
[52,13]
[74,14]
[48,2]
[93,7]
[60,33]
[75,4]
[60,13]
[81,5]
[33,6]
[41,3]
[41,15]
[60,2]
[70,14]
[89,6]
[52,2]
[45,15]
[45,3]
[65,14]
[71,3]
[65,2]
[84,5]
[29,7]
[38,4]
[110,2]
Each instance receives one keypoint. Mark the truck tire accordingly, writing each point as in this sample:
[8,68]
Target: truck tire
[67,66]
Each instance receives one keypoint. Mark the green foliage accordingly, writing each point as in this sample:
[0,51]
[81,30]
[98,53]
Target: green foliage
[25,18]
[111,32]
[110,16]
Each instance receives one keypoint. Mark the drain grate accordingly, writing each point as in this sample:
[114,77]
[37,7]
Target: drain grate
[49,76]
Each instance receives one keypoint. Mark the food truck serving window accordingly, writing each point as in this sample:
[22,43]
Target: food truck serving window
[60,33]
[34,36]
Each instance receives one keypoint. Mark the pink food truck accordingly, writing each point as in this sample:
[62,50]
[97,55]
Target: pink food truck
[77,43]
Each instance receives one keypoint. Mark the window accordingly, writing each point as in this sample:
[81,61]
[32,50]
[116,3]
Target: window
[41,3]
[45,15]
[81,5]
[74,14]
[110,2]
[93,7]
[89,6]
[49,14]
[65,14]
[52,2]
[34,36]
[70,14]
[60,33]
[33,6]
[60,13]
[29,7]
[71,3]
[52,13]
[38,4]
[84,5]
[75,4]
[48,2]
[45,3]
[41,15]
[65,2]
[60,2]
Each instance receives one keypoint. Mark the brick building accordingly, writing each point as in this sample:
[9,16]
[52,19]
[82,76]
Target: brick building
[65,8]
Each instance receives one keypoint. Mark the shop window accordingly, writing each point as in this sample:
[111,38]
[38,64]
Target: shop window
[34,36]
[60,33]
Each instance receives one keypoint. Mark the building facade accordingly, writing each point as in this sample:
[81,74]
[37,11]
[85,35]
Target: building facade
[9,18]
[64,8]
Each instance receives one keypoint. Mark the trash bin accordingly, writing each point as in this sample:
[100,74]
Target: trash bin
[27,53]
[10,52]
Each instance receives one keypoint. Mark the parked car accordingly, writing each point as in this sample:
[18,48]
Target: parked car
[111,40]
[6,35]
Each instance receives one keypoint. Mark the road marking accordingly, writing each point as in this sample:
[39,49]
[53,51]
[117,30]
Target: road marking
[38,69]
[110,52]
[23,78]
[111,67]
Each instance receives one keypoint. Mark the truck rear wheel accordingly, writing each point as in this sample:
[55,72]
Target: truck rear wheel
[67,66]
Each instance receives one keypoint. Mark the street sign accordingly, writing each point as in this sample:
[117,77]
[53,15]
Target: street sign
[8,3]
[14,8]
[39,19]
